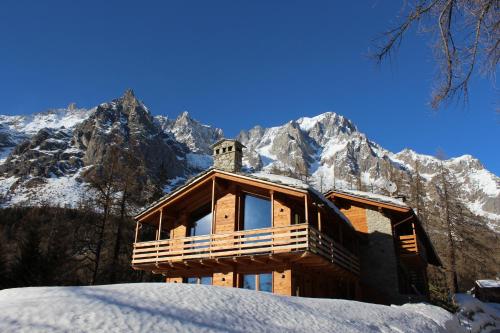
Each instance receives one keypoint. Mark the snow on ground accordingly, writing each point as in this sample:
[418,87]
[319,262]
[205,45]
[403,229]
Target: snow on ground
[488,283]
[476,316]
[168,307]
[67,191]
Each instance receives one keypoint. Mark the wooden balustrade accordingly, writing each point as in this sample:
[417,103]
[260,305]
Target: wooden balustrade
[299,237]
[408,244]
[332,250]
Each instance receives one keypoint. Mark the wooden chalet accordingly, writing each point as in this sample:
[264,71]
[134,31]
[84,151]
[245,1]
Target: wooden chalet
[394,247]
[277,234]
[254,231]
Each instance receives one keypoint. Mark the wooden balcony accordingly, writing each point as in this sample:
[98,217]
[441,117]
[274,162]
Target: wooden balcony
[410,249]
[268,241]
[408,245]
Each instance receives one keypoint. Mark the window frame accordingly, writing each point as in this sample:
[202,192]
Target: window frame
[257,280]
[243,194]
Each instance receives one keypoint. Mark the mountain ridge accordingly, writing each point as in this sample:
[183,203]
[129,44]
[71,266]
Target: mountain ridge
[327,149]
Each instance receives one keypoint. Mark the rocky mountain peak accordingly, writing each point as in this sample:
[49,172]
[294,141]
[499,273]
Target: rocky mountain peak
[190,132]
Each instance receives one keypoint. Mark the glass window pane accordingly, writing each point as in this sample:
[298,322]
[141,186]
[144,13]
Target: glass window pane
[206,280]
[249,282]
[257,213]
[201,226]
[192,280]
[266,282]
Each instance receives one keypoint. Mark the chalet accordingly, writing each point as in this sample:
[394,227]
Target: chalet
[253,230]
[394,247]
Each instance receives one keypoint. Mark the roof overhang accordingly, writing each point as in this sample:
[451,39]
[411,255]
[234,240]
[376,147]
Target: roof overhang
[367,201]
[201,179]
[407,212]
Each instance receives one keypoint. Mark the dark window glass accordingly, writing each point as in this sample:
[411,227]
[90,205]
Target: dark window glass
[249,282]
[206,280]
[257,213]
[191,280]
[266,282]
[201,225]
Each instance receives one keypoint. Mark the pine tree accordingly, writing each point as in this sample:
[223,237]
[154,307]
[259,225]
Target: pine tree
[28,268]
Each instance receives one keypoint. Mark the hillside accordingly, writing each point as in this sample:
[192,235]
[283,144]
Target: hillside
[160,307]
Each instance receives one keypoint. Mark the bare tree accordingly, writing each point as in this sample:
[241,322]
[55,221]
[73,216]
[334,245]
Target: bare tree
[448,204]
[417,190]
[467,34]
[102,179]
[128,173]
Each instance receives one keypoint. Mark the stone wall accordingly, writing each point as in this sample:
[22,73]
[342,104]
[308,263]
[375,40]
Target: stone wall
[379,268]
[228,156]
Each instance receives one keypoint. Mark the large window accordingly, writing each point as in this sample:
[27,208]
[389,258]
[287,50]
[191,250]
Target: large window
[260,282]
[207,280]
[256,212]
[201,222]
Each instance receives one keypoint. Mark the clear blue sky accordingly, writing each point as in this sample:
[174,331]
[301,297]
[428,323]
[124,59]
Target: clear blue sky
[235,64]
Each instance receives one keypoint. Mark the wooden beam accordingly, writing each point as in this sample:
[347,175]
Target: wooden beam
[213,206]
[306,209]
[222,263]
[159,224]
[136,231]
[368,202]
[262,184]
[154,209]
[271,192]
[319,219]
[258,260]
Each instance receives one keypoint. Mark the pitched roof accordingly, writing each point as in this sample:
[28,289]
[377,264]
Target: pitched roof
[390,202]
[373,197]
[232,140]
[277,180]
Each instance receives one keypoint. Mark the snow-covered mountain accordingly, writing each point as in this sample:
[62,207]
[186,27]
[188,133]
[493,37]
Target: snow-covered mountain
[44,157]
[330,151]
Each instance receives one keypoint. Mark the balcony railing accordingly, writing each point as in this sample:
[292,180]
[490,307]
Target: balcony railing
[299,237]
[408,244]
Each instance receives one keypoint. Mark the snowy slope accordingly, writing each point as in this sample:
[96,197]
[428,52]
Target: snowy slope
[161,307]
[54,118]
[476,316]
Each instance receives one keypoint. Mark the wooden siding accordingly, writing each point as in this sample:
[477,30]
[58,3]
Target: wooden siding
[224,279]
[174,280]
[282,282]
[281,212]
[357,216]
[225,214]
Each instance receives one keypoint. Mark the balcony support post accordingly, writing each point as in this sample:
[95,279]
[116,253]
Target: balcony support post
[213,206]
[271,192]
[306,209]
[159,224]
[319,220]
[414,236]
[137,231]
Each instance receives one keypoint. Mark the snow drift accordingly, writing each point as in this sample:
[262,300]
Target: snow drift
[161,307]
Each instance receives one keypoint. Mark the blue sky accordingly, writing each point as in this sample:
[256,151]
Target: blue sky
[235,64]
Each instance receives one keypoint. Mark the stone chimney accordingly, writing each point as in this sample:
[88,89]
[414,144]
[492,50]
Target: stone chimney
[228,155]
